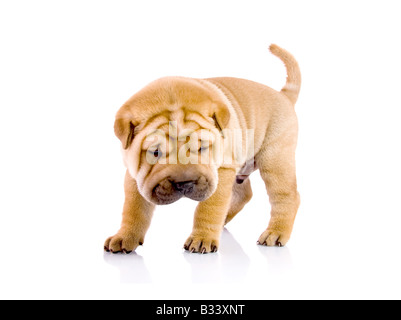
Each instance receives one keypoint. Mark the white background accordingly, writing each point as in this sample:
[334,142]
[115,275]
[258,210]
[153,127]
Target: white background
[67,66]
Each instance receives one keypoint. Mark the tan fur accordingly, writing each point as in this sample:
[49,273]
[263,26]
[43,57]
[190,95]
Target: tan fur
[223,189]
[241,195]
[137,214]
[210,215]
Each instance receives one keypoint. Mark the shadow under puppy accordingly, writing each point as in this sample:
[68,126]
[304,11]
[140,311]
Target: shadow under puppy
[177,141]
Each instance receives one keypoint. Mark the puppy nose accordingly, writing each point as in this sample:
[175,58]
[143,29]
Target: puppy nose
[184,186]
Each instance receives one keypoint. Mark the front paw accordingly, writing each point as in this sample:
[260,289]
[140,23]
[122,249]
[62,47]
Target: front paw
[124,242]
[201,244]
[274,237]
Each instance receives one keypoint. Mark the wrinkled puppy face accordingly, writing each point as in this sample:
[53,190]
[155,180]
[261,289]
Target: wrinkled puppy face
[176,159]
[172,153]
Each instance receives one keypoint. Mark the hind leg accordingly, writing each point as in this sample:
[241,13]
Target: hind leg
[242,194]
[277,168]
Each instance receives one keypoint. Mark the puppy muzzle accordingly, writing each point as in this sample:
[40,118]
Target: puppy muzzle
[169,191]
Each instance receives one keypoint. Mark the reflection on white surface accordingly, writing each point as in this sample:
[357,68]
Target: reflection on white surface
[132,267]
[228,265]
[278,259]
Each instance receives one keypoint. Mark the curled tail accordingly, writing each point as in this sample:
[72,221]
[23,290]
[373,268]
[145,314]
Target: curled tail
[293,85]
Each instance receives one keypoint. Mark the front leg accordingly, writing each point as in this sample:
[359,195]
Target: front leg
[210,216]
[137,215]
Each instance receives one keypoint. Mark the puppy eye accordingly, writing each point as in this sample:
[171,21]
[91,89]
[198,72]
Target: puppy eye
[157,153]
[201,149]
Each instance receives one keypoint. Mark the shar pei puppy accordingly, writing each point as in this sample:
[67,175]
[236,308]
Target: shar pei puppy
[201,139]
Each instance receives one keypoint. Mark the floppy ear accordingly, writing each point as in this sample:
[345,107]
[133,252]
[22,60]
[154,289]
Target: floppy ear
[221,117]
[124,130]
